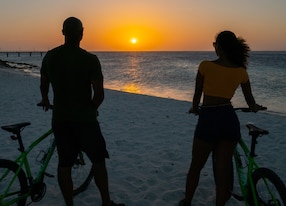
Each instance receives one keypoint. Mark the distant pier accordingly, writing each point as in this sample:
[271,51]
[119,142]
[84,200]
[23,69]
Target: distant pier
[19,53]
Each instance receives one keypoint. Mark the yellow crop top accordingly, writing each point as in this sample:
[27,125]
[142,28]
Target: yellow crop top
[220,81]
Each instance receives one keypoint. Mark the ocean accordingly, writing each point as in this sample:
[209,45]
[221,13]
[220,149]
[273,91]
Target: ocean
[172,74]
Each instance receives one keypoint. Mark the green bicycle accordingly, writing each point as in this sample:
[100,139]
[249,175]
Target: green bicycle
[17,182]
[258,185]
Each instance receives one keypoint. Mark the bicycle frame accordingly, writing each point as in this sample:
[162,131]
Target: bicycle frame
[245,178]
[22,160]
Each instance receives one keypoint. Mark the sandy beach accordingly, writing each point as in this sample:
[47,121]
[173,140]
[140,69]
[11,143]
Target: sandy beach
[149,141]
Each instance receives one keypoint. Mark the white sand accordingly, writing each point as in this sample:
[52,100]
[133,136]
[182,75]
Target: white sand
[149,140]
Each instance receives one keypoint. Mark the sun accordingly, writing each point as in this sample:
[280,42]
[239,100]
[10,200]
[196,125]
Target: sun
[133,40]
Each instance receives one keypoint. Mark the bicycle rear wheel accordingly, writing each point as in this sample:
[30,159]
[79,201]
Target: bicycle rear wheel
[82,173]
[19,187]
[270,190]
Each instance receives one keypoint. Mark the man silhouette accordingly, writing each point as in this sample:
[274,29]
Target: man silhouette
[77,83]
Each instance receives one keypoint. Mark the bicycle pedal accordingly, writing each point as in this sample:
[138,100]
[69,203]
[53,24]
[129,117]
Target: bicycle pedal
[49,175]
[38,191]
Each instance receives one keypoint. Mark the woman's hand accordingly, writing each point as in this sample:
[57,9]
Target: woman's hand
[256,107]
[194,110]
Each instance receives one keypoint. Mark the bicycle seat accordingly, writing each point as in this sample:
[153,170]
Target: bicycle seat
[15,128]
[253,130]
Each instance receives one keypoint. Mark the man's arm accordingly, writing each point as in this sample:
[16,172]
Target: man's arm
[44,87]
[98,92]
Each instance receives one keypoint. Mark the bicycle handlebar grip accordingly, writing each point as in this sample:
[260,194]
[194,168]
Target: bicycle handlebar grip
[247,109]
[42,105]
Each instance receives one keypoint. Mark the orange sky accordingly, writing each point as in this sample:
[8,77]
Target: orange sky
[158,25]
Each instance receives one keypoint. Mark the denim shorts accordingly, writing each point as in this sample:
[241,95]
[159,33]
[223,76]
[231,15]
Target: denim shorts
[71,137]
[218,123]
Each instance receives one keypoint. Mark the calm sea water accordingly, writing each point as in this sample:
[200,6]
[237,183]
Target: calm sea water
[172,74]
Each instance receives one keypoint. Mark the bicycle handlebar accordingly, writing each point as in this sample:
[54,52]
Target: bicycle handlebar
[243,109]
[247,109]
[40,104]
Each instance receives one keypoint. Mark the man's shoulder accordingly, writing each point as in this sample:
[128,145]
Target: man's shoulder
[89,56]
[55,49]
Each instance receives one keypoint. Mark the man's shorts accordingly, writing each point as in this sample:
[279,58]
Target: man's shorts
[71,137]
[218,123]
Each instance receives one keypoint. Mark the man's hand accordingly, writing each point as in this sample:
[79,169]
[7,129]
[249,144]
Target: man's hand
[45,103]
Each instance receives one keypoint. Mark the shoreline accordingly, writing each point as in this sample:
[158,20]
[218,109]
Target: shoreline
[25,71]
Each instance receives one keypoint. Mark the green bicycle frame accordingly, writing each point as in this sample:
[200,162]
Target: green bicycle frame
[245,180]
[23,161]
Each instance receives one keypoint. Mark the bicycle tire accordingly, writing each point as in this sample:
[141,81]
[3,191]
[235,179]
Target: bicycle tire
[276,185]
[20,186]
[82,173]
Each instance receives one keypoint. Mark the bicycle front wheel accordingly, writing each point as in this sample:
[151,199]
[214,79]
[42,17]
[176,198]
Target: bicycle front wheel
[15,195]
[269,188]
[82,173]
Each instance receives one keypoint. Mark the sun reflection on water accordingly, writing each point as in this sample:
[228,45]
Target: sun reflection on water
[133,72]
[131,88]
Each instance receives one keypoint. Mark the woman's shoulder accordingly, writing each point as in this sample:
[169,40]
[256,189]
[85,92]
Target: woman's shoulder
[207,64]
[215,65]
[204,66]
[224,64]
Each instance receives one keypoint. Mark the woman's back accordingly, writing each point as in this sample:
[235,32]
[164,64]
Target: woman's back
[221,81]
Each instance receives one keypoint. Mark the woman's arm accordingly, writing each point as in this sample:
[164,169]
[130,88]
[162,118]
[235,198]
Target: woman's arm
[198,93]
[246,90]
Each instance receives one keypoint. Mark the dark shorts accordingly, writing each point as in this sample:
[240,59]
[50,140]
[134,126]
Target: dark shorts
[71,137]
[218,123]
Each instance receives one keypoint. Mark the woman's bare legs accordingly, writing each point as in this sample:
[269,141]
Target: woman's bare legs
[223,160]
[200,154]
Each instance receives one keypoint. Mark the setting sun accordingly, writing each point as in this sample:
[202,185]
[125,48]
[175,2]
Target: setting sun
[131,37]
[133,40]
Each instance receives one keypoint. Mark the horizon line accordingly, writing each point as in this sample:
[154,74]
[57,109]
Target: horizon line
[39,51]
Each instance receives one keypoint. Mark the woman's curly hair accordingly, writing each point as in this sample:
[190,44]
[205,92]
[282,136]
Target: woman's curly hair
[235,48]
